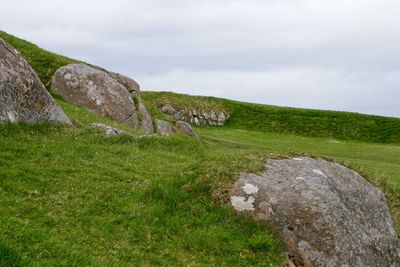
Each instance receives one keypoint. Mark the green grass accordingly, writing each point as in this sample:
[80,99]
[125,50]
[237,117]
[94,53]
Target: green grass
[379,163]
[71,197]
[43,62]
[306,122]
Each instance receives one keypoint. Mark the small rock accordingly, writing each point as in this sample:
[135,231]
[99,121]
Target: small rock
[168,109]
[164,128]
[109,130]
[185,128]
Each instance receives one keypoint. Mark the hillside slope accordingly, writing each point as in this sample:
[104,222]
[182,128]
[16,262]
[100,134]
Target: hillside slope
[305,122]
[266,118]
[43,62]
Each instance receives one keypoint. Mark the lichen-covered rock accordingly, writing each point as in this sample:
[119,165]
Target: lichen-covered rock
[327,214]
[131,85]
[186,128]
[194,116]
[23,97]
[96,90]
[164,128]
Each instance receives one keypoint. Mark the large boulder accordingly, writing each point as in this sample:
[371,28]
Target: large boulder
[109,94]
[131,85]
[326,214]
[23,97]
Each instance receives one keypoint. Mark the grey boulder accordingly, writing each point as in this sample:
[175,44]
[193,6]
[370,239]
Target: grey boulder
[92,87]
[164,127]
[186,128]
[326,214]
[23,97]
[131,85]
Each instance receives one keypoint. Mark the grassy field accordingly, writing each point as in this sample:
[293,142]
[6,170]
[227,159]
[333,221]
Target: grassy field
[71,197]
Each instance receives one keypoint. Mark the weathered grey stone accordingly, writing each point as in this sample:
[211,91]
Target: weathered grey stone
[326,214]
[164,128]
[195,117]
[131,85]
[109,130]
[185,128]
[145,120]
[96,90]
[23,97]
[168,109]
[221,118]
[213,116]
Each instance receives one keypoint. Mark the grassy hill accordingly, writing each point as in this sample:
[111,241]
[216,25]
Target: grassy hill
[43,62]
[71,197]
[305,122]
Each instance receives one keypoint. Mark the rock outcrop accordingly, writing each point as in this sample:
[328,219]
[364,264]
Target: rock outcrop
[326,214]
[194,116]
[164,127]
[23,97]
[185,128]
[108,94]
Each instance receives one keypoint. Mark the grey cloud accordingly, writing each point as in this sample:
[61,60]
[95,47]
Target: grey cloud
[306,53]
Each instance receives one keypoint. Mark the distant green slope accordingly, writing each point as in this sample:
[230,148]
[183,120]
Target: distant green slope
[43,62]
[306,122]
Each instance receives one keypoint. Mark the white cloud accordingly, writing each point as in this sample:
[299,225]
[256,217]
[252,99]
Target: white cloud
[310,53]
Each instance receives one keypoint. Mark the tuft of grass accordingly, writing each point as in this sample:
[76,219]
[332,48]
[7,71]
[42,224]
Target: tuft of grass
[43,62]
[9,257]
[305,122]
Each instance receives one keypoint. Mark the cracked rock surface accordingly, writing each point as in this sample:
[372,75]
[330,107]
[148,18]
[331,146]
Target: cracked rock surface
[23,97]
[108,94]
[325,213]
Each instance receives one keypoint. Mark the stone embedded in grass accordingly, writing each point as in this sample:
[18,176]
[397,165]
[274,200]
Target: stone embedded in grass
[23,97]
[335,221]
[164,127]
[186,128]
[109,130]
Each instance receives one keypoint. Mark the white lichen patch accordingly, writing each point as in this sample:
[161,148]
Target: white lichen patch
[303,246]
[298,159]
[240,203]
[67,76]
[250,189]
[319,172]
[95,96]
[11,116]
[300,178]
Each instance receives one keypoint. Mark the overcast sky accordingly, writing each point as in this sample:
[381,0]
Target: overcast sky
[339,54]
